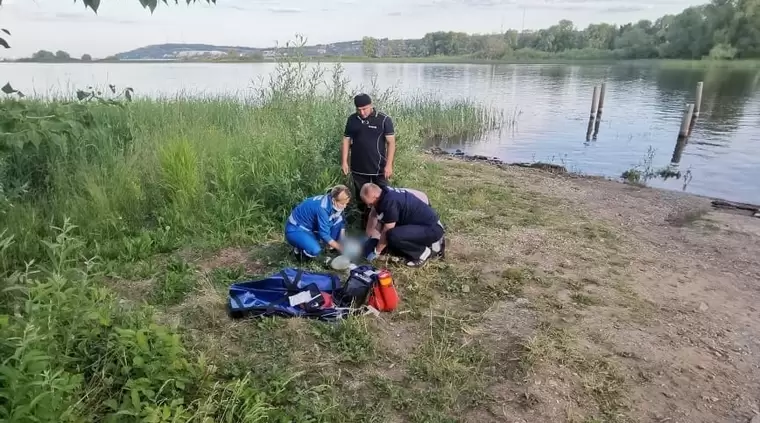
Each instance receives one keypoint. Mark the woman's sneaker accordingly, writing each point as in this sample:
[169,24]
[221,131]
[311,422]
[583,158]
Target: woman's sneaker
[300,256]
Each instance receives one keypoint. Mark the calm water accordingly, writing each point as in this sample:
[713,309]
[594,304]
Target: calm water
[642,111]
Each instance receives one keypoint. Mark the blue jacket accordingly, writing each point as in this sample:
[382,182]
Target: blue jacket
[316,214]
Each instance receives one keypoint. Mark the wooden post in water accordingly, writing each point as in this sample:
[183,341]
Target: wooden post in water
[599,110]
[698,100]
[601,99]
[594,102]
[686,121]
[592,116]
[680,144]
[596,124]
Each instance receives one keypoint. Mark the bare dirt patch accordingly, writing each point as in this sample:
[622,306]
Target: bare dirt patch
[232,257]
[692,354]
[131,290]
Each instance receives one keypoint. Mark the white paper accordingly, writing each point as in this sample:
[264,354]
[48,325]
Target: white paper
[300,298]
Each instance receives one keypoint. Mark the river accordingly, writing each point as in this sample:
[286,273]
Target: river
[548,107]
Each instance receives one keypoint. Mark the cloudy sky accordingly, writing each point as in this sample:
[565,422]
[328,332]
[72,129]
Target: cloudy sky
[123,24]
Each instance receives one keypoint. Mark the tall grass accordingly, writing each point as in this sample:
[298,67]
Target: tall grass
[85,183]
[213,170]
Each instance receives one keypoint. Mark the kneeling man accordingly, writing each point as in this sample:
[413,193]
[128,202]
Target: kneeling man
[409,226]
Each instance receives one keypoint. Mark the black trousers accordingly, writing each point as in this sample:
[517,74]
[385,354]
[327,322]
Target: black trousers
[411,240]
[358,181]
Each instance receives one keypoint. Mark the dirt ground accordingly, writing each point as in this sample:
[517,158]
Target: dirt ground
[561,299]
[690,351]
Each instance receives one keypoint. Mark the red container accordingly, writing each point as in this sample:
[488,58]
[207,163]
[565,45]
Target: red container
[386,291]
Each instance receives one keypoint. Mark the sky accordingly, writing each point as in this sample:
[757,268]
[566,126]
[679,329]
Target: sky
[122,25]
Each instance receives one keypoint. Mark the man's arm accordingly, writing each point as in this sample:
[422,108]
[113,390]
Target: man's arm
[383,242]
[389,219]
[344,155]
[345,147]
[372,229]
[390,143]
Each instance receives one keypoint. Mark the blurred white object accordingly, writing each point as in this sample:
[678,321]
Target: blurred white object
[352,248]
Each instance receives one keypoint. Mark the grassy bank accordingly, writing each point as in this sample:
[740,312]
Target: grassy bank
[106,194]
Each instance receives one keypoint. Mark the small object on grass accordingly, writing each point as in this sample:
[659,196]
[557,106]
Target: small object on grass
[341,262]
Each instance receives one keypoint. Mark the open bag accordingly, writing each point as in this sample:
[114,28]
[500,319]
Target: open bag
[295,292]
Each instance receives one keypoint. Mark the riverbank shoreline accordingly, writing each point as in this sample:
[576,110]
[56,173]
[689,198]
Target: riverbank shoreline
[738,207]
[673,63]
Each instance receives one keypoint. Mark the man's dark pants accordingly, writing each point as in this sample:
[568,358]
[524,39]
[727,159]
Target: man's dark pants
[359,181]
[411,240]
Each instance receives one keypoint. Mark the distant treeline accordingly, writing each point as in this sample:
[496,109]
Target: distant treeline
[58,56]
[722,29]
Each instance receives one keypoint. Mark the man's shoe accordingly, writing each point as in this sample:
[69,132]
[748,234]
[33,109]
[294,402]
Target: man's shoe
[416,263]
[439,248]
[422,260]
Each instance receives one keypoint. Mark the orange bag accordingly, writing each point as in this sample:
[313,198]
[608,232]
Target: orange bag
[384,296]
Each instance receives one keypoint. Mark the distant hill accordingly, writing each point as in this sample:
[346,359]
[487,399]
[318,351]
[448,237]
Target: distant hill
[176,51]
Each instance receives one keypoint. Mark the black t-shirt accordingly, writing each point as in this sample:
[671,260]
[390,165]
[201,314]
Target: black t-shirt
[368,141]
[404,208]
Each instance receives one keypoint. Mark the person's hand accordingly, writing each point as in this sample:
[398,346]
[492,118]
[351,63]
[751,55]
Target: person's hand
[345,168]
[372,256]
[336,246]
[388,171]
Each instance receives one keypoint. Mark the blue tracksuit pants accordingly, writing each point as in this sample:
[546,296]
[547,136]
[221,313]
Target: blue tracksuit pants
[308,242]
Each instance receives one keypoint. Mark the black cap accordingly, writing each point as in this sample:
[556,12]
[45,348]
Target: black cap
[362,100]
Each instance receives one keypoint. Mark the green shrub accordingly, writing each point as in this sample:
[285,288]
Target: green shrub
[72,352]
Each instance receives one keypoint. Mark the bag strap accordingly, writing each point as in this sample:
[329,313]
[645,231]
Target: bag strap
[291,285]
[237,302]
[273,304]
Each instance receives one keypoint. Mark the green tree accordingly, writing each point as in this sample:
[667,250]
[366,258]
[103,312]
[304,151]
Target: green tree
[62,56]
[688,36]
[369,47]
[43,56]
[86,58]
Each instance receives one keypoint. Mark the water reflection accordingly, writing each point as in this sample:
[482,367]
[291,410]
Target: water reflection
[725,96]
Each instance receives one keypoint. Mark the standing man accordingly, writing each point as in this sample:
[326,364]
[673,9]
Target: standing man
[370,138]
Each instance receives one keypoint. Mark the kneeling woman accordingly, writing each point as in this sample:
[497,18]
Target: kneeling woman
[316,219]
